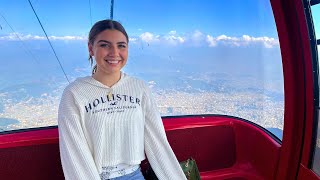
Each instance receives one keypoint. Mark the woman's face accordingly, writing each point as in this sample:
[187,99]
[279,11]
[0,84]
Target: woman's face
[110,50]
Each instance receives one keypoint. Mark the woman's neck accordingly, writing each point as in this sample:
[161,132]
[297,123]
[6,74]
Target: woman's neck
[107,79]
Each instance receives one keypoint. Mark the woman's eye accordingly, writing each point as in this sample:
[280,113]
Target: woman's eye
[122,46]
[104,45]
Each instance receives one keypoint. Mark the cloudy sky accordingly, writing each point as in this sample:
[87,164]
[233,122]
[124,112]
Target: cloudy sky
[157,29]
[150,20]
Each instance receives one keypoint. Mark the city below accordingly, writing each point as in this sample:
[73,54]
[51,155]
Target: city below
[258,108]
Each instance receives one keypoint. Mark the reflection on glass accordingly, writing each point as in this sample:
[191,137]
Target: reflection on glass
[316,157]
[315,10]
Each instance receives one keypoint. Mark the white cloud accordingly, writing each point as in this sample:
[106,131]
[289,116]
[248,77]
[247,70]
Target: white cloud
[254,39]
[16,36]
[149,37]
[173,32]
[133,39]
[267,41]
[245,40]
[231,41]
[195,38]
[212,42]
[67,38]
[174,39]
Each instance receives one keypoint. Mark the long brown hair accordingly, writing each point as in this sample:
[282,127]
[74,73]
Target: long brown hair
[100,26]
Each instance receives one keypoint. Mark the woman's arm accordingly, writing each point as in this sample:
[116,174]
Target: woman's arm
[76,158]
[159,153]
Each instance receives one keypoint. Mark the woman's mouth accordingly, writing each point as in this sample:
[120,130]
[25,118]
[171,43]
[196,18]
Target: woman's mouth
[114,62]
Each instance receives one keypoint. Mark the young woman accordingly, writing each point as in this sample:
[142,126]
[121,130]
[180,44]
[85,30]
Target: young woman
[109,121]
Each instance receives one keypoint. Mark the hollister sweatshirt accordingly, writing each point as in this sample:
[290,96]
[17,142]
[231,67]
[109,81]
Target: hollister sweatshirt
[103,126]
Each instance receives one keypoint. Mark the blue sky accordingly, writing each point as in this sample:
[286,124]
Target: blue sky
[161,23]
[171,33]
[159,16]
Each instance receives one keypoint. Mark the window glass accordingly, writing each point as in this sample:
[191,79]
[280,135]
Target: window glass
[198,57]
[315,10]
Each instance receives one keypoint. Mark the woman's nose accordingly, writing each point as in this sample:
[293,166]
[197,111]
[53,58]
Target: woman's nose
[114,51]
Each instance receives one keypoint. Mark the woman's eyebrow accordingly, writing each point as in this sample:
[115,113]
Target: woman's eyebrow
[121,42]
[105,41]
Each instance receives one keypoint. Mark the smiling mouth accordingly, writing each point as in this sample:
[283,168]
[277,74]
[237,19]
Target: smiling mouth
[113,61]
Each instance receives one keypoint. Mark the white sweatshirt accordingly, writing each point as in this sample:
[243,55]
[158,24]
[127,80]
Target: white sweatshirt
[101,126]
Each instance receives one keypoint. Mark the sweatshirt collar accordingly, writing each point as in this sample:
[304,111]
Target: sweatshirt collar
[91,80]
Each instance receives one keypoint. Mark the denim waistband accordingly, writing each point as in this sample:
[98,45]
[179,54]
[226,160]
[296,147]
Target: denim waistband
[110,172]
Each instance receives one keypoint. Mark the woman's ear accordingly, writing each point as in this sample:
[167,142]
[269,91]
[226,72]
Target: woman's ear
[90,48]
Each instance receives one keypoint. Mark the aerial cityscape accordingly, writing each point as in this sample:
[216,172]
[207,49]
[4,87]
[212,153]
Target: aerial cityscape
[254,106]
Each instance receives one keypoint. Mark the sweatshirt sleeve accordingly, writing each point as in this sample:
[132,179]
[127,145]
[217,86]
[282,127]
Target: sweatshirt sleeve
[159,153]
[76,158]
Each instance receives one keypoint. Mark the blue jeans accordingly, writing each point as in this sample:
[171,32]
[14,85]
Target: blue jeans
[136,175]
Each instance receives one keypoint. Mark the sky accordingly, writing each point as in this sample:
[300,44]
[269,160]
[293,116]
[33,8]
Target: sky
[159,16]
[163,24]
[163,33]
[235,40]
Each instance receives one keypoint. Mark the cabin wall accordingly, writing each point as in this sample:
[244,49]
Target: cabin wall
[223,147]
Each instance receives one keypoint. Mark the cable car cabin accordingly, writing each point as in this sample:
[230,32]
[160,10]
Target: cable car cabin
[224,145]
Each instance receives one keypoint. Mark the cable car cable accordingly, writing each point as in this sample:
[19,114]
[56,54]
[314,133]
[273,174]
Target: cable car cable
[49,42]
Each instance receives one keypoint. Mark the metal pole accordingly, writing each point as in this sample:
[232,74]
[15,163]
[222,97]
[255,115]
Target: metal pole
[111,10]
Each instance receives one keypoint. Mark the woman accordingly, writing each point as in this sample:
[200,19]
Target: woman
[109,121]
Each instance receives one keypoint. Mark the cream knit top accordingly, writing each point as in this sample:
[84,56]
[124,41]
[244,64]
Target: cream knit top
[101,126]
